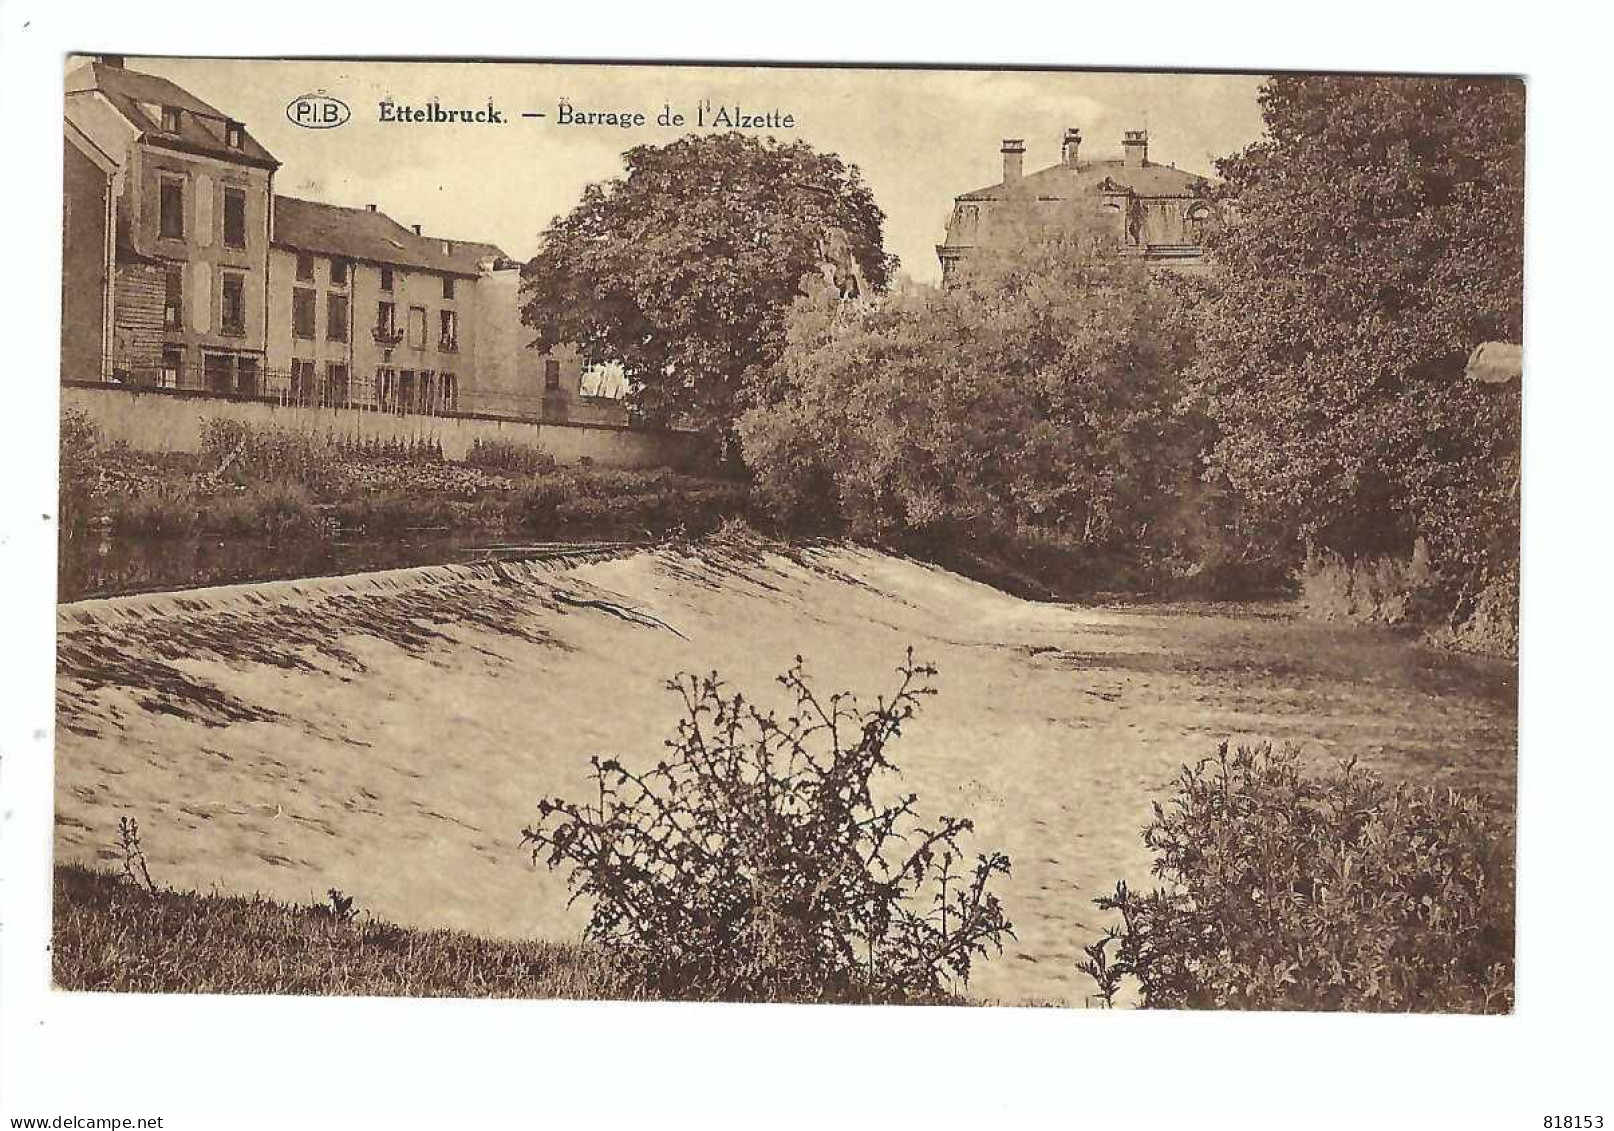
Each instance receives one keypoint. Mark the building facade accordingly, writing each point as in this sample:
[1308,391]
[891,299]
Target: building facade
[191,217]
[183,269]
[1157,212]
[368,313]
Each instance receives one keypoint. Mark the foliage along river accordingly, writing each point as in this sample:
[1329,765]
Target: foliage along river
[389,734]
[106,565]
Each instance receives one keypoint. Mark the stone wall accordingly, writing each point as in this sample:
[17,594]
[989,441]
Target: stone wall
[164,420]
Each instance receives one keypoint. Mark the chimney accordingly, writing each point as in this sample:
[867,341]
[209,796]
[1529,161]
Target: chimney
[113,61]
[1073,143]
[416,227]
[1014,159]
[370,207]
[1136,147]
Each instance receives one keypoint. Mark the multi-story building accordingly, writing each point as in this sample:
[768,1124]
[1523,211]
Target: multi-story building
[366,312]
[182,269]
[184,272]
[1158,212]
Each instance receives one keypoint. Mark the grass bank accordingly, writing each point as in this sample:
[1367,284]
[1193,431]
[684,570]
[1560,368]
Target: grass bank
[113,935]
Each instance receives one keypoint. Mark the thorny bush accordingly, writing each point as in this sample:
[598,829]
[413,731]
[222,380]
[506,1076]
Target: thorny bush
[755,862]
[1290,891]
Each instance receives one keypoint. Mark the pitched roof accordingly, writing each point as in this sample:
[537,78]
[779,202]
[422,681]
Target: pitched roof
[201,127]
[1061,182]
[375,237]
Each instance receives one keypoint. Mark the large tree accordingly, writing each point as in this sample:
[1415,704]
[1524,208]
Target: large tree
[681,269]
[1038,396]
[1378,240]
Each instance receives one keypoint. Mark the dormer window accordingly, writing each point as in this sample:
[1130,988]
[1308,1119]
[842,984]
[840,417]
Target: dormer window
[170,119]
[232,134]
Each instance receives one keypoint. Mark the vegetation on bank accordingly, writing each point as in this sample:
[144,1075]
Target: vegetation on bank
[112,933]
[1284,889]
[283,482]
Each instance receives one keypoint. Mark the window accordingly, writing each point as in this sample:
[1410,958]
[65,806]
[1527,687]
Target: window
[173,363]
[336,390]
[417,327]
[246,376]
[386,322]
[336,318]
[302,313]
[304,390]
[448,336]
[235,218]
[450,394]
[387,386]
[305,267]
[386,278]
[173,297]
[338,272]
[406,390]
[428,391]
[232,134]
[218,371]
[233,306]
[448,286]
[171,209]
[551,373]
[170,119]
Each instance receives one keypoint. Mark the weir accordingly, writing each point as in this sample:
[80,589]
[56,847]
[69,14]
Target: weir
[390,734]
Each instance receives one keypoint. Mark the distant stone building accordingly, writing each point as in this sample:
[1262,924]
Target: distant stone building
[1158,212]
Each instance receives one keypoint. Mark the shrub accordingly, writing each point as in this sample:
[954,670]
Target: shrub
[393,512]
[80,445]
[1385,590]
[243,454]
[1488,622]
[159,509]
[1287,891]
[510,457]
[656,500]
[755,863]
[273,509]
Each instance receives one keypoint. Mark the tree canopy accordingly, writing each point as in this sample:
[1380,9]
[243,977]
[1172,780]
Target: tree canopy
[1379,239]
[1037,394]
[682,268]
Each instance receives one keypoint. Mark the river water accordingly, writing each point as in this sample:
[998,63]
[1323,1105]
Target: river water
[109,565]
[390,735]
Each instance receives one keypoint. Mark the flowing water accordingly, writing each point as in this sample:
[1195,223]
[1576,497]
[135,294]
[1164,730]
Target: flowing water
[390,733]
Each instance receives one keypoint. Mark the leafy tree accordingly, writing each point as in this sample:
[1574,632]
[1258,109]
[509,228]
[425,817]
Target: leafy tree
[681,270]
[1039,394]
[1379,239]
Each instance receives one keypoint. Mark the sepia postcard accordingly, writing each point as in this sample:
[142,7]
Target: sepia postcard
[789,534]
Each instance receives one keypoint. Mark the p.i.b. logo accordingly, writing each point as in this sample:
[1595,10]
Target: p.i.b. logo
[317,111]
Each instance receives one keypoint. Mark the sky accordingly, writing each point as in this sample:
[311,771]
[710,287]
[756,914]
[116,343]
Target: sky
[921,137]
